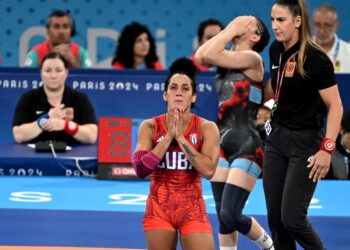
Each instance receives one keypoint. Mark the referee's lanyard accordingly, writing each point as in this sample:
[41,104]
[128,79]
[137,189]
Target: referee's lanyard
[288,71]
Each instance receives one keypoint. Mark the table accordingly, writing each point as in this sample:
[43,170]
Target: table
[19,159]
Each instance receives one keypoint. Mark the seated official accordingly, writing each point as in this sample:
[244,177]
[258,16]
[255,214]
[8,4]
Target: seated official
[54,111]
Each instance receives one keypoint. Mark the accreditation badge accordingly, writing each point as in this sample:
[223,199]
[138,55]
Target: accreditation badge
[337,66]
[268,127]
[290,68]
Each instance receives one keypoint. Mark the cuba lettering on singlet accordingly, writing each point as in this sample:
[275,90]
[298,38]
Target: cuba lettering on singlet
[175,160]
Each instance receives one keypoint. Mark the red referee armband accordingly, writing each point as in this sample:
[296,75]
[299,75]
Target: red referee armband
[71,127]
[328,145]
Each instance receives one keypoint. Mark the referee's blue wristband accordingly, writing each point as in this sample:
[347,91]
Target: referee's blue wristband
[42,119]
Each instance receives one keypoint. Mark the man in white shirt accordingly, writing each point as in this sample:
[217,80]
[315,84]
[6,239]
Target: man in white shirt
[326,24]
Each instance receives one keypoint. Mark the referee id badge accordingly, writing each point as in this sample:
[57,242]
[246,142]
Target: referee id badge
[290,68]
[268,127]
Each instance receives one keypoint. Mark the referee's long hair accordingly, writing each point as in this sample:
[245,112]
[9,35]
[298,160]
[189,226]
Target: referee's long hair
[299,8]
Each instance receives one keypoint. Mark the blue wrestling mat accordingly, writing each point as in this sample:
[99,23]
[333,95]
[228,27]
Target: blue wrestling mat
[85,212]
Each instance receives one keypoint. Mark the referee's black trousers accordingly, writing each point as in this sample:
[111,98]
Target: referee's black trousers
[288,189]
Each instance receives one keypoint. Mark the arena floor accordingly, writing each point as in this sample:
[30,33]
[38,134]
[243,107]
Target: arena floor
[82,213]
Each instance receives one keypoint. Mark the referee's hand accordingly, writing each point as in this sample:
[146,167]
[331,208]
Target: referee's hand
[319,164]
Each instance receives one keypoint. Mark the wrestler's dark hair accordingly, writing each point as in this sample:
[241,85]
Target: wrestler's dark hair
[183,66]
[124,52]
[53,55]
[264,34]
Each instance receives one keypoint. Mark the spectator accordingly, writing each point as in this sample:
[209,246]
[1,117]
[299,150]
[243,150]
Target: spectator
[340,158]
[54,111]
[136,49]
[206,30]
[326,24]
[177,148]
[60,28]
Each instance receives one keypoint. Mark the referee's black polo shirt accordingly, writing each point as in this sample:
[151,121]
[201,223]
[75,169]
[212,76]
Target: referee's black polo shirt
[300,106]
[34,104]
